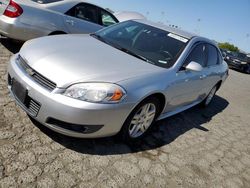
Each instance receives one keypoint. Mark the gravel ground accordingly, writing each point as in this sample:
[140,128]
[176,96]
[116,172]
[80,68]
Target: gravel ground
[197,148]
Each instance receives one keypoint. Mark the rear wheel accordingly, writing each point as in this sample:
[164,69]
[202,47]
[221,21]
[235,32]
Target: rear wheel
[140,120]
[210,97]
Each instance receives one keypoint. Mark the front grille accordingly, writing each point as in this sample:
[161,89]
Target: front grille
[38,78]
[24,100]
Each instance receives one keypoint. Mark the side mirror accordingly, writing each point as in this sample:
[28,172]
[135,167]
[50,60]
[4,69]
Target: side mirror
[193,66]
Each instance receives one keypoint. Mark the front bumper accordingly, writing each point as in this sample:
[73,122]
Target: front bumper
[237,65]
[65,115]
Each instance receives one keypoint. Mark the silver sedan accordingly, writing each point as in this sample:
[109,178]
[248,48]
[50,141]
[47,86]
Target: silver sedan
[28,19]
[118,80]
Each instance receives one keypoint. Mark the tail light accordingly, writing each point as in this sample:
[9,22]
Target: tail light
[13,10]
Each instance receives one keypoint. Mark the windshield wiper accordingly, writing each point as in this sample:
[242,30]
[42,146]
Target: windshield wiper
[98,37]
[121,48]
[136,55]
[132,53]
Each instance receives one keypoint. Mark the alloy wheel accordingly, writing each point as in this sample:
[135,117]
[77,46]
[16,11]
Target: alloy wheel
[142,120]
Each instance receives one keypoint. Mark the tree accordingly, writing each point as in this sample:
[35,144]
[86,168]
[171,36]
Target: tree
[228,46]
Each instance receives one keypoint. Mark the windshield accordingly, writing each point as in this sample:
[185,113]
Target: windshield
[242,56]
[148,43]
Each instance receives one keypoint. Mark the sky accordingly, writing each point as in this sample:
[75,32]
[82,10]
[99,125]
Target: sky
[220,20]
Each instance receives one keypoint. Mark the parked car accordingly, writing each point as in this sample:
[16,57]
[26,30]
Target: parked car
[118,80]
[28,19]
[239,61]
[127,15]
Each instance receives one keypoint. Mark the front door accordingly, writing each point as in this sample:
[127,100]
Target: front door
[189,85]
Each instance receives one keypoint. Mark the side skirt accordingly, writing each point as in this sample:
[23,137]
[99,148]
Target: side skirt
[178,110]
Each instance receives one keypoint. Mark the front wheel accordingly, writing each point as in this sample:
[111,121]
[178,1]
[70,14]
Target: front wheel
[140,120]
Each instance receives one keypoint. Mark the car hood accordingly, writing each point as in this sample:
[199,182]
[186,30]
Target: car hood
[69,59]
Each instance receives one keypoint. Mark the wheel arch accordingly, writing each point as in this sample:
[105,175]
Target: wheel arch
[157,95]
[57,33]
[219,84]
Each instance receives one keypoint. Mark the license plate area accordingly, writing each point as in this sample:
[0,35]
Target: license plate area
[19,91]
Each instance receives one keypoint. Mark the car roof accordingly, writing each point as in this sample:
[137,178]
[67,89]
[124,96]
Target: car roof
[176,31]
[128,15]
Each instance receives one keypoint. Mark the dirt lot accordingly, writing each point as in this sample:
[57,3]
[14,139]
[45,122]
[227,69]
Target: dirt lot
[197,148]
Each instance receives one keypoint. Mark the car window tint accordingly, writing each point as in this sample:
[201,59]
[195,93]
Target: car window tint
[85,12]
[197,55]
[212,58]
[220,58]
[107,18]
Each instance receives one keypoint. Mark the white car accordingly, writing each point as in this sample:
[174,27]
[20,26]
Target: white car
[27,19]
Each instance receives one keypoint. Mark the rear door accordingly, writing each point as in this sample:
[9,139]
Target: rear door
[3,6]
[83,18]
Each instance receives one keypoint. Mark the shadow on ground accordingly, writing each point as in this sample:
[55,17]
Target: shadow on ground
[11,45]
[163,133]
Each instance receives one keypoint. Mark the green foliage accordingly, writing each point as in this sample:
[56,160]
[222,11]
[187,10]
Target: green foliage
[228,46]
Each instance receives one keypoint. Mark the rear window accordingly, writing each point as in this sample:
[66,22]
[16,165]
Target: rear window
[45,1]
[212,58]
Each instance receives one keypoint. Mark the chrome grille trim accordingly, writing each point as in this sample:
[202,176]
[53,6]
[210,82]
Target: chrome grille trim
[37,77]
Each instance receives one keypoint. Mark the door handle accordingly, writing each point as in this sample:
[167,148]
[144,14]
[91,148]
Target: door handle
[70,22]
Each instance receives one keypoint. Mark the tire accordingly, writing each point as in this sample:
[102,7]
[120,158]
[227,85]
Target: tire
[247,69]
[140,120]
[209,97]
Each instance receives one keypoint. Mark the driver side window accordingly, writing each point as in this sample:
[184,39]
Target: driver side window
[197,55]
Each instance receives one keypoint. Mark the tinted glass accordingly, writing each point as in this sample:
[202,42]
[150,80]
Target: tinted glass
[159,47]
[107,18]
[242,57]
[212,58]
[84,12]
[197,55]
[220,60]
[88,13]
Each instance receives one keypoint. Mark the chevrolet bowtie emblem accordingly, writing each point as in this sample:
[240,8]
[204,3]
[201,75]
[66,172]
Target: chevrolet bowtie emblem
[30,71]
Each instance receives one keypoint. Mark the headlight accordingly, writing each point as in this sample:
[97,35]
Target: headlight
[243,63]
[96,92]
